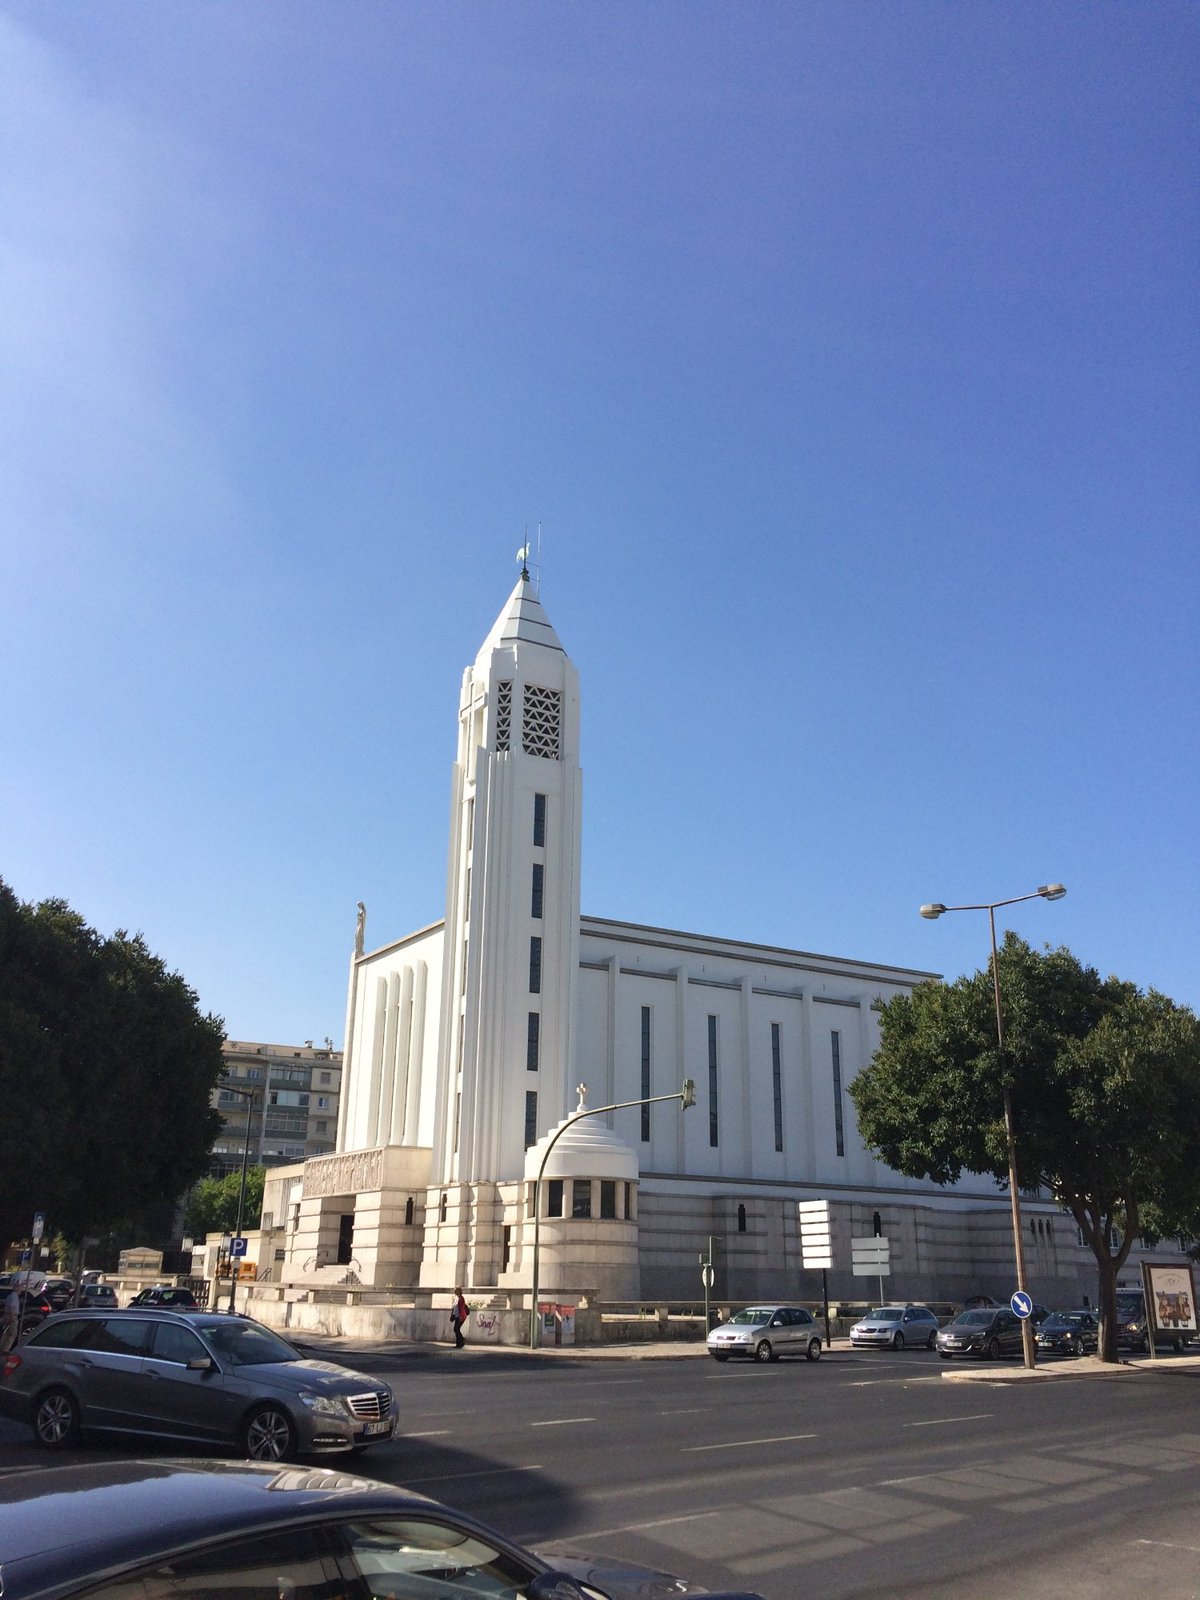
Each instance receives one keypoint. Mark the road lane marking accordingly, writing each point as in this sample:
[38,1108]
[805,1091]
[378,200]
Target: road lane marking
[484,1472]
[640,1527]
[1165,1544]
[560,1422]
[687,1411]
[940,1422]
[430,1433]
[743,1444]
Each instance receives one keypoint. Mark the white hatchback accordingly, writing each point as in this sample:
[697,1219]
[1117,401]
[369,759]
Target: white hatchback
[766,1333]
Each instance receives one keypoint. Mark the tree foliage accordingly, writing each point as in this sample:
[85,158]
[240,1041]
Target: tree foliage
[106,1068]
[212,1205]
[1104,1081]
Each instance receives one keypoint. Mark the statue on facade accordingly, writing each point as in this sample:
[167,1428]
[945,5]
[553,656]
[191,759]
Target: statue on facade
[361,929]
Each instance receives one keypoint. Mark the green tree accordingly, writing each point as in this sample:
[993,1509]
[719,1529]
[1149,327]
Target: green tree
[1105,1089]
[212,1204]
[115,1064]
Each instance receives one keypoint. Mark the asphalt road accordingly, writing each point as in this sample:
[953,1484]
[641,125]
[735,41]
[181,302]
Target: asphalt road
[864,1474]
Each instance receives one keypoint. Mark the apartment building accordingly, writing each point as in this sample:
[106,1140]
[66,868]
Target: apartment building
[291,1093]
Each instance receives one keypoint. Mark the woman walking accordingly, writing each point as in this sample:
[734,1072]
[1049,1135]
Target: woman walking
[458,1315]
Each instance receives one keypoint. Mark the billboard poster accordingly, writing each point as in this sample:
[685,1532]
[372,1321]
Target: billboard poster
[1171,1298]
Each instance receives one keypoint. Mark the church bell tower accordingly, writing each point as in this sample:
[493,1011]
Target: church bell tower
[512,901]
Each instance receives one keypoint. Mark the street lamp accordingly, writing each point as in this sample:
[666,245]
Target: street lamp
[1048,891]
[248,1095]
[686,1096]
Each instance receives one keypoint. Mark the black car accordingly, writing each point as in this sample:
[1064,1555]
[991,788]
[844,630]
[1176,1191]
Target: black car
[986,1332]
[257,1532]
[1069,1333]
[34,1308]
[164,1294]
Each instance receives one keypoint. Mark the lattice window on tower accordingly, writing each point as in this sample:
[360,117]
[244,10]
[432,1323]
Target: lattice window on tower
[541,724]
[503,715]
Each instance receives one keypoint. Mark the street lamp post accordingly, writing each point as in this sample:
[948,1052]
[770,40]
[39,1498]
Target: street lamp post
[248,1096]
[687,1095]
[1048,891]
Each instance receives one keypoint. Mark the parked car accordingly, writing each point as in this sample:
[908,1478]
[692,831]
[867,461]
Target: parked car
[98,1295]
[766,1333]
[118,1528]
[979,1302]
[59,1291]
[194,1376]
[34,1308]
[986,1332]
[897,1326]
[1069,1333]
[164,1294]
[1131,1325]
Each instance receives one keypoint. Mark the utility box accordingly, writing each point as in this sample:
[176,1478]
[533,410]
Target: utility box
[556,1323]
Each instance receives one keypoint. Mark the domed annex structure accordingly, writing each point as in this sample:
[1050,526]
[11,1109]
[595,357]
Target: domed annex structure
[466,1039]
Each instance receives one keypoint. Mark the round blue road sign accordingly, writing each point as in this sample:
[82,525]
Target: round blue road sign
[1021,1304]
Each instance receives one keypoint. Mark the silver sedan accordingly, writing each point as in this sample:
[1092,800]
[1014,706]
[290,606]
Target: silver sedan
[766,1332]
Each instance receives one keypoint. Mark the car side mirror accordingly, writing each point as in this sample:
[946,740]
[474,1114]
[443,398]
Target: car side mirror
[200,1364]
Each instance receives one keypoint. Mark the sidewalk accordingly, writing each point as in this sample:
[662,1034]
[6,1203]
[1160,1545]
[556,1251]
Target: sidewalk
[681,1350]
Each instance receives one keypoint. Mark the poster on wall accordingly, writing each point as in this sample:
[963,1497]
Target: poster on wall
[1171,1298]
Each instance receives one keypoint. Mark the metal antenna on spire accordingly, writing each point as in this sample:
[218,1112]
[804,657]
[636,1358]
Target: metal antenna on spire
[523,558]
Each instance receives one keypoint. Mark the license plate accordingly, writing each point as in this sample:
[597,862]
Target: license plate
[373,1428]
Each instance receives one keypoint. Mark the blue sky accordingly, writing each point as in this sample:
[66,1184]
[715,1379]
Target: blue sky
[845,353]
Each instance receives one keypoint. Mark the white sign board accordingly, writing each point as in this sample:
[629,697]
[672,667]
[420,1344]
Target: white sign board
[870,1258]
[816,1233]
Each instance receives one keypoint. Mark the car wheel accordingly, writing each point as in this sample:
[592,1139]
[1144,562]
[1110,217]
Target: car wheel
[993,1350]
[268,1435]
[56,1419]
[931,1342]
[763,1351]
[897,1340]
[813,1353]
[719,1355]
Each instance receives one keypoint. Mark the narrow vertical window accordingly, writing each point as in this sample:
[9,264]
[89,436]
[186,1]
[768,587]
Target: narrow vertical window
[645,1073]
[539,883]
[530,1117]
[554,1197]
[531,1045]
[539,819]
[835,1042]
[581,1197]
[712,1081]
[777,1085]
[608,1197]
[409,1208]
[741,1219]
[535,965]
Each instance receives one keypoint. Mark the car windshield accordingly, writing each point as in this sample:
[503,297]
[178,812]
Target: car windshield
[973,1319]
[754,1314]
[885,1314]
[246,1344]
[1066,1319]
[1129,1304]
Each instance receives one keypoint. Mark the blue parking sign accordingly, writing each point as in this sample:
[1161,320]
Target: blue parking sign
[237,1247]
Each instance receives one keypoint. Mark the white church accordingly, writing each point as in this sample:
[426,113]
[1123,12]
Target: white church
[467,1042]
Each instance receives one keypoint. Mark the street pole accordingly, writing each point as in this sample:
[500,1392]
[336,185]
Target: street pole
[687,1095]
[1048,891]
[235,1262]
